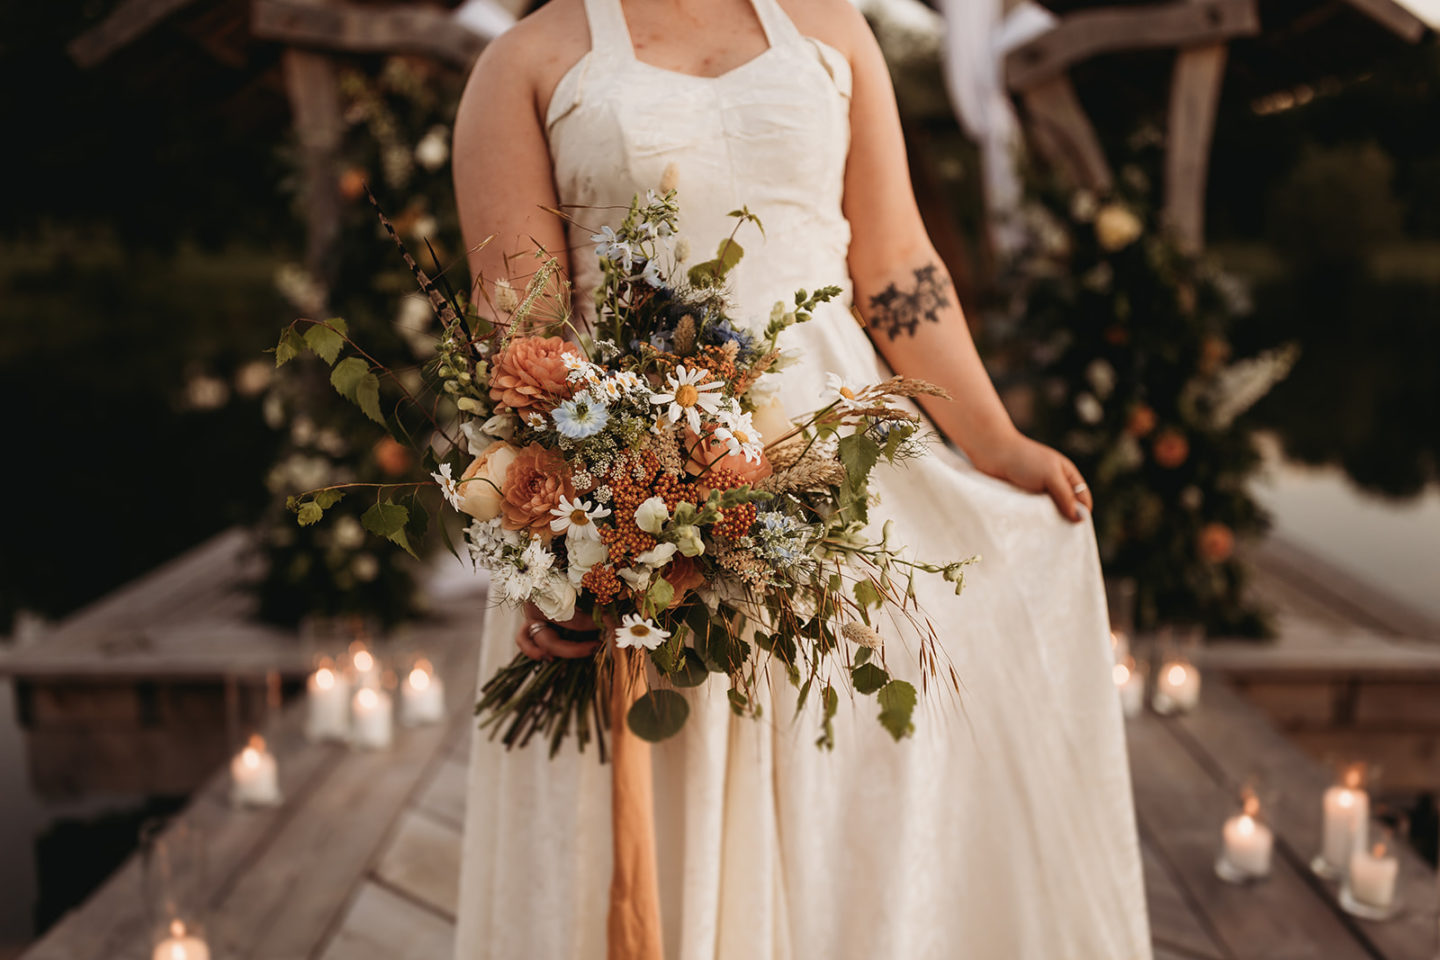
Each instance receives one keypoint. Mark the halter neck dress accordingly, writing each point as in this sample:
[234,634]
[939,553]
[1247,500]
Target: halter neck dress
[1003,829]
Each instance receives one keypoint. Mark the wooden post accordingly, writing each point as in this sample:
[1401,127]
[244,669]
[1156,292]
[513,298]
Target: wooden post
[313,87]
[1064,135]
[1194,96]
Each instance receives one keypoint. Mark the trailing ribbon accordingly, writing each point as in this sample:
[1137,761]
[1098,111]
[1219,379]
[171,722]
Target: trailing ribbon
[633,925]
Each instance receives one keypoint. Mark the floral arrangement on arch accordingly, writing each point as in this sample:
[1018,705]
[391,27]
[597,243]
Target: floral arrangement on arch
[1112,344]
[639,471]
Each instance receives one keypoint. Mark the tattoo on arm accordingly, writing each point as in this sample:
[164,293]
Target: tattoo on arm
[894,311]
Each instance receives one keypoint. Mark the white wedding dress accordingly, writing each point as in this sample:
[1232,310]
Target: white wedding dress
[1004,828]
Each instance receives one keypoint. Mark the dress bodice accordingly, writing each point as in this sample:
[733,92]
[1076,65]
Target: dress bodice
[771,134]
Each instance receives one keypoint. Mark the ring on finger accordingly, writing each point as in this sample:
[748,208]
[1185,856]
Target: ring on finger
[1081,487]
[535,626]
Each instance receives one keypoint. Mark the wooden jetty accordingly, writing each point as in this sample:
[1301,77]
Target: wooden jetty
[361,861]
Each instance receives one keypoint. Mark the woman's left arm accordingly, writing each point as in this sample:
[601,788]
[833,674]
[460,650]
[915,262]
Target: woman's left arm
[908,302]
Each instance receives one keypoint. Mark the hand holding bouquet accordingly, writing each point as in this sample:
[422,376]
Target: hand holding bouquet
[637,471]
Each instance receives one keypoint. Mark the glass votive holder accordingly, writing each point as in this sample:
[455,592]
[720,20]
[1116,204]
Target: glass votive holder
[422,694]
[1370,887]
[173,867]
[1177,679]
[1345,818]
[327,695]
[1247,840]
[1129,676]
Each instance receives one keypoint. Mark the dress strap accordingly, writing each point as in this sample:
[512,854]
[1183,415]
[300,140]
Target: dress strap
[779,28]
[609,36]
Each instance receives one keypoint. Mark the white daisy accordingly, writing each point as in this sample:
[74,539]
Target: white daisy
[576,518]
[637,631]
[847,395]
[737,431]
[688,395]
[448,486]
[536,420]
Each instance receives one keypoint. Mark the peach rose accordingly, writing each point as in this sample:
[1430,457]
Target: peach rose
[530,373]
[1217,542]
[481,497]
[1171,449]
[533,487]
[394,458]
[713,454]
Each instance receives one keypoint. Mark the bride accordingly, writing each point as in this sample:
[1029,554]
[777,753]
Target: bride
[1004,828]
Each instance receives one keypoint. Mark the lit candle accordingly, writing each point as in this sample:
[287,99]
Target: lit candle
[1372,876]
[180,945]
[1177,687]
[329,696]
[1248,842]
[422,696]
[1131,684]
[367,671]
[1119,645]
[1347,820]
[253,777]
[373,722]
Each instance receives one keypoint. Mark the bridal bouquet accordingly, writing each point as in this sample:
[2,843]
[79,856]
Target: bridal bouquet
[638,471]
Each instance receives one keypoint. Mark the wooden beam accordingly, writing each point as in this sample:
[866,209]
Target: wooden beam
[365,29]
[1392,17]
[1194,97]
[313,86]
[1063,134]
[1088,33]
[131,19]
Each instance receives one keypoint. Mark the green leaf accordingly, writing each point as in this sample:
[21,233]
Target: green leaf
[830,700]
[710,272]
[868,678]
[328,498]
[858,454]
[862,655]
[691,672]
[353,380]
[310,512]
[419,520]
[660,594]
[388,520]
[867,594]
[738,701]
[657,715]
[289,346]
[368,397]
[897,705]
[325,341]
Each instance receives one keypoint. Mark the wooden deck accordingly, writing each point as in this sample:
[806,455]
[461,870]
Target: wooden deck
[361,863]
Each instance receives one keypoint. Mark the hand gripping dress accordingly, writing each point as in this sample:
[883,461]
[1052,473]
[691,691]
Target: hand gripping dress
[1004,828]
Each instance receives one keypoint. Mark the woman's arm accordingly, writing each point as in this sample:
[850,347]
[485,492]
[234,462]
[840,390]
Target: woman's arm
[502,168]
[909,304]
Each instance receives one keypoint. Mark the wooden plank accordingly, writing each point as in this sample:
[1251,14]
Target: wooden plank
[1091,32]
[1174,923]
[1064,135]
[422,861]
[382,925]
[1393,17]
[1194,98]
[1237,742]
[1181,807]
[366,29]
[1407,705]
[444,796]
[1293,704]
[129,20]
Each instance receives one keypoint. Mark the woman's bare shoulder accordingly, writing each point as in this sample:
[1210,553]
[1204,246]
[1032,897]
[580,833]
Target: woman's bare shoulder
[532,55]
[837,23]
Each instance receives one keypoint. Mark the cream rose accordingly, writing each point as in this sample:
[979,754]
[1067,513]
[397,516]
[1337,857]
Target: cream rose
[771,421]
[480,496]
[1116,227]
[556,599]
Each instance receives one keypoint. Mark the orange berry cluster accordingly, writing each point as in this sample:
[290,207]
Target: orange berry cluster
[736,521]
[625,539]
[601,581]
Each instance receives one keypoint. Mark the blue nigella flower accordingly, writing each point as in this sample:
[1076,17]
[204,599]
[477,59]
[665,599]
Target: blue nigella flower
[578,419]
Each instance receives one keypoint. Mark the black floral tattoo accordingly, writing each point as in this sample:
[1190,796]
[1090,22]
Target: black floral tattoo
[894,311]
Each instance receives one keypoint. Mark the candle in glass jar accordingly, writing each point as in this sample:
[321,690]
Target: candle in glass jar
[253,776]
[1177,687]
[422,696]
[180,945]
[373,723]
[367,671]
[1346,821]
[1372,876]
[1119,645]
[1248,842]
[329,694]
[1131,684]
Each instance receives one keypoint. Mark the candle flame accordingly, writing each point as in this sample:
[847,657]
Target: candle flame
[366,698]
[419,679]
[1176,674]
[1122,674]
[1252,805]
[1379,850]
[1114,639]
[363,661]
[177,928]
[1353,776]
[324,678]
[257,743]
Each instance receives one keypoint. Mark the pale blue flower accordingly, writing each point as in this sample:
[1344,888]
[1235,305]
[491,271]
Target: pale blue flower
[580,418]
